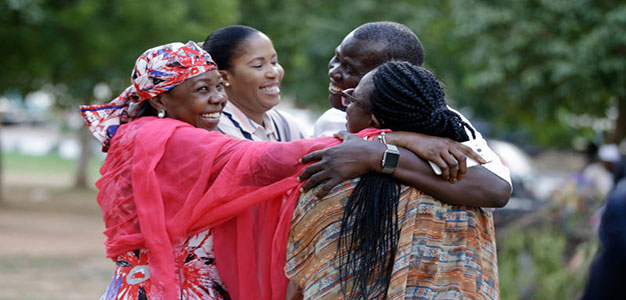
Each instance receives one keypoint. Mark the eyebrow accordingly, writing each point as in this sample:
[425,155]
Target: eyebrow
[205,80]
[262,57]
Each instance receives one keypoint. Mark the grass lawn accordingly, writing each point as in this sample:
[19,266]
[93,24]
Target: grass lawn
[48,164]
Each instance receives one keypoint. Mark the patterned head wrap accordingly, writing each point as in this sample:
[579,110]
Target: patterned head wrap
[156,71]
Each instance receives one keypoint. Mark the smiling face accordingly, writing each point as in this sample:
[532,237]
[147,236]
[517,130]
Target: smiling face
[359,110]
[198,101]
[352,60]
[254,76]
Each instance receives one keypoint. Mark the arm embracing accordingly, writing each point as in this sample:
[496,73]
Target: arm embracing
[355,157]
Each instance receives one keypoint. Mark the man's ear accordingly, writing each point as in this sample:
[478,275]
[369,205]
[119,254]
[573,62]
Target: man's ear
[375,122]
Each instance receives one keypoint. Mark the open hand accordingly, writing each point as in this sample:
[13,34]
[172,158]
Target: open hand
[350,159]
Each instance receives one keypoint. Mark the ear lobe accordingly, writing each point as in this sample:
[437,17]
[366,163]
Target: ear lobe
[375,122]
[225,75]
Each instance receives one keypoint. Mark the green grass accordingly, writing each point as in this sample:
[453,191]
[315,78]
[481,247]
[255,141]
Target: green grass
[47,164]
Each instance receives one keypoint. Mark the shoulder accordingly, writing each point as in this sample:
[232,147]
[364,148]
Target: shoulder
[287,122]
[329,122]
[494,164]
[466,120]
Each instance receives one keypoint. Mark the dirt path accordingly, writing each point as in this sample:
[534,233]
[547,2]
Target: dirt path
[51,244]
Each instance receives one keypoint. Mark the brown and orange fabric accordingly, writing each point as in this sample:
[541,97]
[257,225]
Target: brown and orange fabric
[444,251]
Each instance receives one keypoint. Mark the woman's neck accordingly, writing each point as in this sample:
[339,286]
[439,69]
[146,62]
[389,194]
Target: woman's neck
[255,116]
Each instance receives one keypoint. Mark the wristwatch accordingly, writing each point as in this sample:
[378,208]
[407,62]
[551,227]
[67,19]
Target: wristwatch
[391,158]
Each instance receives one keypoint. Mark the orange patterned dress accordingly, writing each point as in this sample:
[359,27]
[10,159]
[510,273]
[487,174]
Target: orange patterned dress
[444,251]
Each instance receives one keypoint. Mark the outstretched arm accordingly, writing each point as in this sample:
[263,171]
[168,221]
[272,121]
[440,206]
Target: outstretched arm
[355,157]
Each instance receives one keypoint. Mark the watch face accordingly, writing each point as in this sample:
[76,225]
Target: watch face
[391,159]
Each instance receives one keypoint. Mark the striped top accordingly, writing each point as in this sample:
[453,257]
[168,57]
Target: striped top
[444,251]
[277,126]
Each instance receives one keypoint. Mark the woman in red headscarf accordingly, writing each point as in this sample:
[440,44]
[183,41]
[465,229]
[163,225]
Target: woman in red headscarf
[167,180]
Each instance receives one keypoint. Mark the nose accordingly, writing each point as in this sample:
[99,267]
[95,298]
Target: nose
[218,98]
[333,69]
[273,71]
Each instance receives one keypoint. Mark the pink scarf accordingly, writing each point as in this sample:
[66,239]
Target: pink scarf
[164,180]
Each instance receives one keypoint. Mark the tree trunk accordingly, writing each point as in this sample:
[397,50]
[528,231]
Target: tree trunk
[84,136]
[619,133]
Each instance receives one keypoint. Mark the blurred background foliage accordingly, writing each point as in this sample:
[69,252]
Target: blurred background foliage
[536,71]
[539,73]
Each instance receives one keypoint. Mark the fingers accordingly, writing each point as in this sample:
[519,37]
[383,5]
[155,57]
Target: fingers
[453,166]
[443,166]
[470,153]
[462,162]
[325,188]
[344,135]
[313,156]
[310,171]
[315,180]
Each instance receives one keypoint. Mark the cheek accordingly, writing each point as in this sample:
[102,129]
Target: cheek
[351,81]
[281,73]
[357,119]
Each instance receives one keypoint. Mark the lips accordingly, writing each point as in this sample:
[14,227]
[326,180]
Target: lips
[334,89]
[271,89]
[213,116]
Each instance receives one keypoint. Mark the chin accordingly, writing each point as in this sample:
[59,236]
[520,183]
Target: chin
[335,101]
[271,103]
[209,128]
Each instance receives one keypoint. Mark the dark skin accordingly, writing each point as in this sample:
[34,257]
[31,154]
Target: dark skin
[356,157]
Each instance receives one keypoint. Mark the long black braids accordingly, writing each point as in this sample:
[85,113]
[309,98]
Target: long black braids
[370,214]
[408,98]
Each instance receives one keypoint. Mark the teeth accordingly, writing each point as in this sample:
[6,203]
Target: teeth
[271,89]
[334,88]
[213,115]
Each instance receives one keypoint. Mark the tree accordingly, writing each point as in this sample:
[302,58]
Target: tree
[543,62]
[75,45]
[305,34]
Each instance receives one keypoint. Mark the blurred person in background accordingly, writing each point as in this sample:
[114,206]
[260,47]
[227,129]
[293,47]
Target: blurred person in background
[619,172]
[606,280]
[598,173]
[252,76]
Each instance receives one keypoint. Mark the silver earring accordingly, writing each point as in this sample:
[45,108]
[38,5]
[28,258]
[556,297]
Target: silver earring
[226,83]
[161,113]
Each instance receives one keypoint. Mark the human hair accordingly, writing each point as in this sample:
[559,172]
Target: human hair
[408,98]
[147,109]
[401,43]
[225,43]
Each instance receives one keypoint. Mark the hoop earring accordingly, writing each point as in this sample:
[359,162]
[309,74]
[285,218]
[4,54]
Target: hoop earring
[161,113]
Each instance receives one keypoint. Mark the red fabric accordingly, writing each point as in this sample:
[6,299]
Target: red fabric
[164,180]
[244,278]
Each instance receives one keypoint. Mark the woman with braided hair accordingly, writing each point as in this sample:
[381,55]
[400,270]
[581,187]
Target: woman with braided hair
[375,238]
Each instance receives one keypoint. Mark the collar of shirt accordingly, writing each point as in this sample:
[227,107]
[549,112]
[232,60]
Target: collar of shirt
[263,133]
